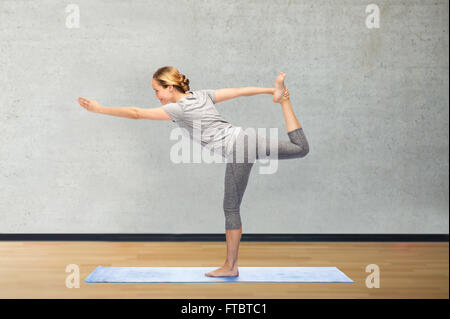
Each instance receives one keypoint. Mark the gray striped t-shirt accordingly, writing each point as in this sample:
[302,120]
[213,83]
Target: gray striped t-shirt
[199,112]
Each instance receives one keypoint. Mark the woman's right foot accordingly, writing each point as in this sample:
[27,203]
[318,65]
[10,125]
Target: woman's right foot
[280,88]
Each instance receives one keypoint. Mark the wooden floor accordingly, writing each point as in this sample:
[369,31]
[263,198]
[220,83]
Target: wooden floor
[407,270]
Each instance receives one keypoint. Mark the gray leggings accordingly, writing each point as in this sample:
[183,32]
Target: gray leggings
[237,171]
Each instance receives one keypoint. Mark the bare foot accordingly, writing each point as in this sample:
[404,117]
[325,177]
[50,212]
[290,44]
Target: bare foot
[279,87]
[224,271]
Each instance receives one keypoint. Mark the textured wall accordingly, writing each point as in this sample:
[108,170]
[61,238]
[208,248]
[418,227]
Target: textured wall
[373,103]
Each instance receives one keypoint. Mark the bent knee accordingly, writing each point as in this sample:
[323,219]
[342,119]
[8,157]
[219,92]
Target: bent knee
[304,151]
[301,152]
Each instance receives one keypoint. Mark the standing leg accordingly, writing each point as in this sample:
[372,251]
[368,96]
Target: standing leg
[236,179]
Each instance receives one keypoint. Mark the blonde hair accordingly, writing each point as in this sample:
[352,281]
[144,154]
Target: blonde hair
[169,75]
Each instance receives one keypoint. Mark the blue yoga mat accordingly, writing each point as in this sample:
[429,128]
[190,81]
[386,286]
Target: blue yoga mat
[197,274]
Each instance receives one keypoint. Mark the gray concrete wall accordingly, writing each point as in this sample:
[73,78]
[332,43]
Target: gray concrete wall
[373,103]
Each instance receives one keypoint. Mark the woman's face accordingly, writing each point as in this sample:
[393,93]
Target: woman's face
[162,94]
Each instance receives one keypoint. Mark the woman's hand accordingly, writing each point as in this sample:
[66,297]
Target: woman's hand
[88,104]
[285,96]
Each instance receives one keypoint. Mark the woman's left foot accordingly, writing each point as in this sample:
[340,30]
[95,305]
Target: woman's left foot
[224,272]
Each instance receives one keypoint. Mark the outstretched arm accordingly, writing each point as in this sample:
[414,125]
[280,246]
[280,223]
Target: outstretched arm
[227,94]
[127,111]
[95,107]
[136,113]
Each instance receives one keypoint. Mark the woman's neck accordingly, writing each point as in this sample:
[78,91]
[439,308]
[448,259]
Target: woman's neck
[182,96]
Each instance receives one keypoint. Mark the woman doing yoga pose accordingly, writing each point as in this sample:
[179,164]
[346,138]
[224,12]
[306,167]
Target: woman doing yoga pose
[193,110]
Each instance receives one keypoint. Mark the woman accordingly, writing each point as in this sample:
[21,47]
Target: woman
[196,110]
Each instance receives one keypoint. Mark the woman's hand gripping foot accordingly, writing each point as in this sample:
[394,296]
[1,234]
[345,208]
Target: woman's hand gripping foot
[280,88]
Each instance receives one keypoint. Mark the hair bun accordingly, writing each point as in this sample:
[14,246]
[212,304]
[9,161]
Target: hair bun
[184,82]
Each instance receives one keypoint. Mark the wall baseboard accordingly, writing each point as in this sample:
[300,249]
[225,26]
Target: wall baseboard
[221,237]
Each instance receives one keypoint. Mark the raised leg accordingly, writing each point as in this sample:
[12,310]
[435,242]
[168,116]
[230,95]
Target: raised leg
[281,95]
[289,116]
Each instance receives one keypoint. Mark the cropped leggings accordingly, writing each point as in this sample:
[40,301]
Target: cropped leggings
[238,170]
